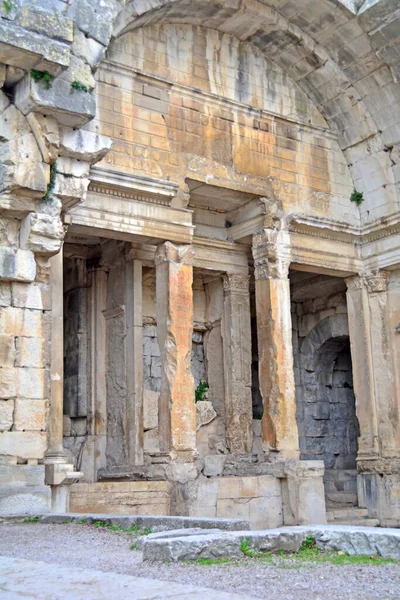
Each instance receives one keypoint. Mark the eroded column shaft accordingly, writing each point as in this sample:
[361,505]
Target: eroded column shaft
[275,352]
[177,413]
[236,332]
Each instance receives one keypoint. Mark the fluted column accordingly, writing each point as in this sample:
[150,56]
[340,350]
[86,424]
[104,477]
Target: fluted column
[177,411]
[274,331]
[236,334]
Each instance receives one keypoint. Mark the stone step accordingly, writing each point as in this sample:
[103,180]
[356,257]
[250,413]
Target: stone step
[333,513]
[355,522]
[342,498]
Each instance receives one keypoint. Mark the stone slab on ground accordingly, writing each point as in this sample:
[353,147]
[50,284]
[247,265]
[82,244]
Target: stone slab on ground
[155,523]
[53,582]
[353,540]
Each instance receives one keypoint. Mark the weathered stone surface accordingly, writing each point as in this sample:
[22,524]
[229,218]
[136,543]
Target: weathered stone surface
[85,47]
[17,265]
[32,352]
[95,17]
[45,21]
[205,413]
[46,132]
[213,465]
[25,444]
[6,414]
[150,409]
[26,49]
[7,350]
[41,233]
[71,109]
[83,145]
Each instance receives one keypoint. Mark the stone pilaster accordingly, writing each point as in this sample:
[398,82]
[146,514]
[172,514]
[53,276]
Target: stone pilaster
[177,413]
[236,334]
[134,360]
[55,452]
[274,331]
[372,366]
[97,415]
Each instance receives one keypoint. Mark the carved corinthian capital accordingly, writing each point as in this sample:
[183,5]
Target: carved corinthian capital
[236,284]
[271,252]
[373,283]
[168,252]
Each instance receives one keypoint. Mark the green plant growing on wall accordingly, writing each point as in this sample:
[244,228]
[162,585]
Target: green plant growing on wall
[200,391]
[8,6]
[42,76]
[357,197]
[77,85]
[51,184]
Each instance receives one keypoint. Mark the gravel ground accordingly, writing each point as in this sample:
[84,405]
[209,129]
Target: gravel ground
[85,546]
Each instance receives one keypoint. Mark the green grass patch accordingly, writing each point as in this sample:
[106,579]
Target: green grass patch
[32,520]
[246,548]
[211,561]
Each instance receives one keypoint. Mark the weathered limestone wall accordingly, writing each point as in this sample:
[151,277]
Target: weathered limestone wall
[123,498]
[163,128]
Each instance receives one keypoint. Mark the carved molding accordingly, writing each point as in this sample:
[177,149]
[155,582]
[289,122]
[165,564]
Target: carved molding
[168,252]
[236,284]
[271,252]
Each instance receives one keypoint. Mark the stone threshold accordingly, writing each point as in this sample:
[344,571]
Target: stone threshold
[158,524]
[352,540]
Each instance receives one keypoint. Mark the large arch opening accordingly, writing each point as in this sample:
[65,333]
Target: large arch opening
[326,408]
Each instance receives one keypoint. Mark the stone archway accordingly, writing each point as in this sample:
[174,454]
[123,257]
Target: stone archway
[326,408]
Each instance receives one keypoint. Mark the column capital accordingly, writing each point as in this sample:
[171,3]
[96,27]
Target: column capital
[168,252]
[372,282]
[271,253]
[236,284]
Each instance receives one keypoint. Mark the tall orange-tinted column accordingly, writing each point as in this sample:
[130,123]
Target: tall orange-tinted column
[177,411]
[274,332]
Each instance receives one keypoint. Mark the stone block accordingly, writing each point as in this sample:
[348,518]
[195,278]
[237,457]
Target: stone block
[66,426]
[257,427]
[269,486]
[45,22]
[88,49]
[95,18]
[73,166]
[41,233]
[83,145]
[237,508]
[151,442]
[30,415]
[33,383]
[21,475]
[72,110]
[229,487]
[214,465]
[149,331]
[80,71]
[78,426]
[7,351]
[8,383]
[265,514]
[32,352]
[150,409]
[155,369]
[150,347]
[17,265]
[5,293]
[35,295]
[46,131]
[23,444]
[249,487]
[27,50]
[6,414]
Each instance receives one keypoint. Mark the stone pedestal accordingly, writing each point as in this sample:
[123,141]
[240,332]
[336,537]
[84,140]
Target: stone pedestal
[304,496]
[274,331]
[236,334]
[177,412]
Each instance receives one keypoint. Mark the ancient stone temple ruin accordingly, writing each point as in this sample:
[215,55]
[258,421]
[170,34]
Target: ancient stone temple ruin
[200,258]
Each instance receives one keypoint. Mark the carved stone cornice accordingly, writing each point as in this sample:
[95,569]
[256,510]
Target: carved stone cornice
[168,252]
[236,284]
